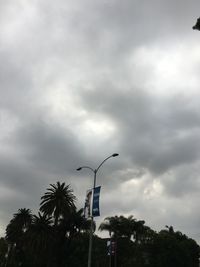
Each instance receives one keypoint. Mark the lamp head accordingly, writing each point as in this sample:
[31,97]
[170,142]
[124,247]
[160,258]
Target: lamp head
[115,154]
[79,169]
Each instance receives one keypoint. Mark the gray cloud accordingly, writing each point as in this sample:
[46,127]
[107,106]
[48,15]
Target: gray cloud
[79,82]
[157,133]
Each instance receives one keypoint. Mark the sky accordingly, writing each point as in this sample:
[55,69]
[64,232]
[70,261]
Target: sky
[81,80]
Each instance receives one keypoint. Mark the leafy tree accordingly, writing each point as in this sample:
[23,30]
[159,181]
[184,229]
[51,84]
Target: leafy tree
[170,248]
[3,251]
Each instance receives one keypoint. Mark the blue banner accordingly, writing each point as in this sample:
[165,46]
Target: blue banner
[95,205]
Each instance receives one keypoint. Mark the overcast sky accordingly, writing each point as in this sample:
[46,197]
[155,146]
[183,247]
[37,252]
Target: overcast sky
[80,80]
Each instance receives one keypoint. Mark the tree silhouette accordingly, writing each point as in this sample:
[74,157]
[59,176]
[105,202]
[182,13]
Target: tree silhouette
[58,236]
[40,239]
[58,201]
[15,234]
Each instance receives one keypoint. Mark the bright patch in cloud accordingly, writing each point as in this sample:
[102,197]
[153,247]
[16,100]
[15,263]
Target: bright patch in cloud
[161,68]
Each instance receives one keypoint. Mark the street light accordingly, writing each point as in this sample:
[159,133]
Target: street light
[92,218]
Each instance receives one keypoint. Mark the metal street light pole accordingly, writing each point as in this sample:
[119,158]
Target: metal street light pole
[92,218]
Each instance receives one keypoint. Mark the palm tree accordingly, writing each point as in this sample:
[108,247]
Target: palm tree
[118,226]
[16,231]
[40,239]
[58,201]
[127,226]
[18,225]
[148,235]
[40,231]
[110,225]
[139,229]
[75,223]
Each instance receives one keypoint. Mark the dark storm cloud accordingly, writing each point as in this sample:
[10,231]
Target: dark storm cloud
[157,133]
[49,147]
[183,181]
[66,65]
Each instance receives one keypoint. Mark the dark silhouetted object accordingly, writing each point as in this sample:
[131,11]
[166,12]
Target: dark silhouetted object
[197,25]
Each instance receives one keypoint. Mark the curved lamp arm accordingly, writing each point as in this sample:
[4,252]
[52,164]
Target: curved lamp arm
[113,155]
[85,167]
